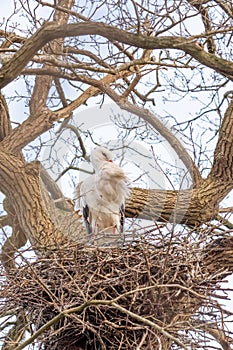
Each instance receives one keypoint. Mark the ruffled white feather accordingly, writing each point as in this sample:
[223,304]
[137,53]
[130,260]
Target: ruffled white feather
[103,195]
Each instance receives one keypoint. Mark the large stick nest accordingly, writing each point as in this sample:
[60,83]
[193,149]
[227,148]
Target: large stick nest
[119,298]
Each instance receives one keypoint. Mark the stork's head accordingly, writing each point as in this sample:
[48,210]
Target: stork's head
[99,155]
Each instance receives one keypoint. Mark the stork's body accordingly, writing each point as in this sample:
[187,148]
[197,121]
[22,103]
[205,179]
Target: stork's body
[103,194]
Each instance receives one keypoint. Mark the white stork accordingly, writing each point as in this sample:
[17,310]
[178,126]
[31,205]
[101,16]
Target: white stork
[103,195]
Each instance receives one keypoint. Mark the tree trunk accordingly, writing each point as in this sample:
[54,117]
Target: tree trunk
[20,182]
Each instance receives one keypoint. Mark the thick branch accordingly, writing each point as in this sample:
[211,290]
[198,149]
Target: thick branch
[10,246]
[190,207]
[43,83]
[222,169]
[218,334]
[28,131]
[58,197]
[5,125]
[5,220]
[207,24]
[34,127]
[225,7]
[51,31]
[218,255]
[220,179]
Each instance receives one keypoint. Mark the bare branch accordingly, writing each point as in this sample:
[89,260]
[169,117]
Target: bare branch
[218,334]
[222,169]
[87,304]
[5,125]
[51,31]
[161,128]
[43,83]
[5,221]
[207,24]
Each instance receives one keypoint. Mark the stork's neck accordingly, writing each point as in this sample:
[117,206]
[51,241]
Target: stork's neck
[100,163]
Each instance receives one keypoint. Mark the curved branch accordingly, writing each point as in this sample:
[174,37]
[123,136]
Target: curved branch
[43,83]
[50,31]
[81,144]
[161,128]
[10,247]
[224,6]
[207,24]
[57,195]
[34,127]
[222,168]
[223,154]
[218,334]
[15,241]
[5,220]
[5,125]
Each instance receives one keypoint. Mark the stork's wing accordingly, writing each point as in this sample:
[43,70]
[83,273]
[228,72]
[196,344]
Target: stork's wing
[122,218]
[86,213]
[102,198]
[85,193]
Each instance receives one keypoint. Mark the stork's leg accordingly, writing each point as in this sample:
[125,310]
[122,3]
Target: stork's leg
[115,230]
[95,234]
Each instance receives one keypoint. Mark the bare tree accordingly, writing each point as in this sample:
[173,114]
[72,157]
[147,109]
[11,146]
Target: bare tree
[161,291]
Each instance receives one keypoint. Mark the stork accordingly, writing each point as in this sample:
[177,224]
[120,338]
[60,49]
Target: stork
[103,195]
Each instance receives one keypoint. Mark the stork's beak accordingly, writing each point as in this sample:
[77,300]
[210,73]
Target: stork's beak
[110,160]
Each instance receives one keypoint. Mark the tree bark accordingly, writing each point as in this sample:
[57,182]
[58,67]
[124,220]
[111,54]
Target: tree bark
[191,207]
[50,31]
[20,182]
[5,125]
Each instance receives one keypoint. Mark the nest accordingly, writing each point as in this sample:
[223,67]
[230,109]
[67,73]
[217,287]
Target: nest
[137,297]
